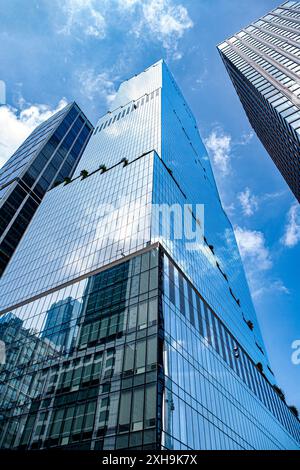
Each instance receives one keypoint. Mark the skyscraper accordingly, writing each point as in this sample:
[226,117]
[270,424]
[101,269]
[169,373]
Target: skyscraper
[166,350]
[263,62]
[49,154]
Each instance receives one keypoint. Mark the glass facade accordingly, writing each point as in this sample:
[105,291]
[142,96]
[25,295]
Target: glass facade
[214,396]
[49,154]
[100,391]
[263,62]
[118,336]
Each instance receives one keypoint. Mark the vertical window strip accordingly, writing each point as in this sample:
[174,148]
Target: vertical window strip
[171,284]
[194,307]
[214,328]
[208,333]
[200,317]
[245,369]
[227,345]
[248,366]
[223,347]
[190,303]
[232,345]
[181,294]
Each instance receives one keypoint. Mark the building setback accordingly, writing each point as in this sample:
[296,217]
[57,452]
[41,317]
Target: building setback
[263,62]
[164,349]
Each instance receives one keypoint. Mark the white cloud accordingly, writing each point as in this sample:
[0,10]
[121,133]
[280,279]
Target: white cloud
[15,126]
[218,144]
[291,235]
[202,77]
[165,22]
[160,20]
[273,196]
[268,288]
[99,86]
[258,262]
[248,201]
[229,209]
[251,203]
[253,249]
[84,15]
[246,138]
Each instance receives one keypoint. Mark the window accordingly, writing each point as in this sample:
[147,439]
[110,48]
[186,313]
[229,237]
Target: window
[125,407]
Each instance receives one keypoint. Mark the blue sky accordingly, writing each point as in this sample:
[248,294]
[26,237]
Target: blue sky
[53,51]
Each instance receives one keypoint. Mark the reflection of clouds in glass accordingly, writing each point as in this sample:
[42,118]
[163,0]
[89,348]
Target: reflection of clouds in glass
[133,89]
[229,253]
[114,131]
[96,229]
[178,344]
[39,307]
[108,146]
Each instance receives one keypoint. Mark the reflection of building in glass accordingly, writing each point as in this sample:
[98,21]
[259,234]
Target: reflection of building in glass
[49,154]
[263,63]
[2,92]
[166,351]
[18,379]
[61,318]
[115,347]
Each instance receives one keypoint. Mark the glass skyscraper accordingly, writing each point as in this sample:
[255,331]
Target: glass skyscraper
[163,347]
[263,62]
[49,154]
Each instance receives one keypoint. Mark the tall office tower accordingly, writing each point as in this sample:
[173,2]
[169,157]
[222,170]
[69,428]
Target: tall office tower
[50,153]
[166,351]
[263,62]
[59,320]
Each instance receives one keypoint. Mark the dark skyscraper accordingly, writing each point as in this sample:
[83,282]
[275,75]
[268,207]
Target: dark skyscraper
[166,350]
[263,62]
[49,154]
